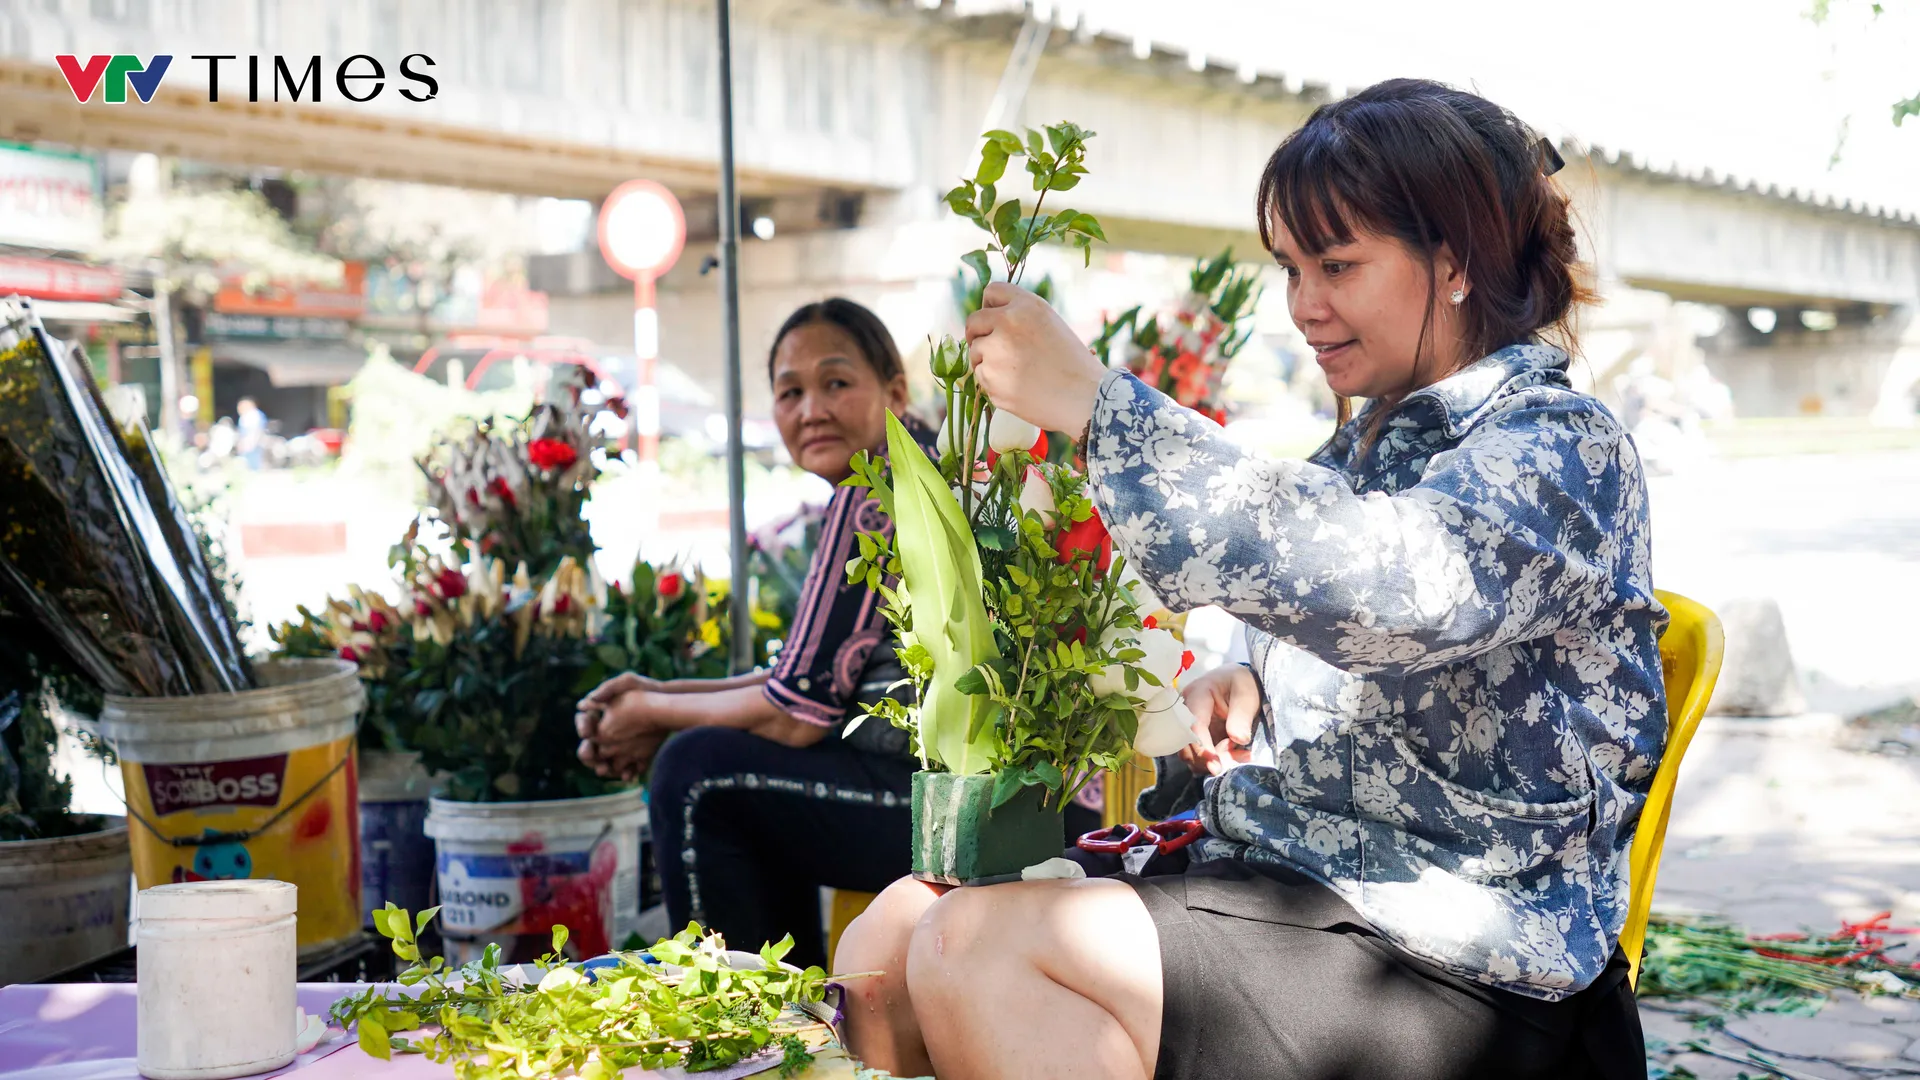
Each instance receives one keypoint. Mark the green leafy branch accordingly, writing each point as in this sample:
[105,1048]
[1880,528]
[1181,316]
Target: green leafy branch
[1056,160]
[689,1009]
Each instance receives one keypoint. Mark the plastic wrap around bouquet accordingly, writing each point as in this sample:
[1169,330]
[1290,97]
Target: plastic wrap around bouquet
[1031,645]
[95,547]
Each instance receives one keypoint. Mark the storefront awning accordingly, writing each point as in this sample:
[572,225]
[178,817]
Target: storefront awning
[295,363]
[82,312]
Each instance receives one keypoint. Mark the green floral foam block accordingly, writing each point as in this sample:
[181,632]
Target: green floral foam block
[959,838]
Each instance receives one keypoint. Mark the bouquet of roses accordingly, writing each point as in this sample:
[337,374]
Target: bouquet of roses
[465,668]
[517,492]
[1022,631]
[1185,353]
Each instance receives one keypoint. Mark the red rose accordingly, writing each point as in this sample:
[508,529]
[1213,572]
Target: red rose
[422,608]
[1039,448]
[499,487]
[562,604]
[671,585]
[551,454]
[452,583]
[1088,538]
[348,652]
[377,621]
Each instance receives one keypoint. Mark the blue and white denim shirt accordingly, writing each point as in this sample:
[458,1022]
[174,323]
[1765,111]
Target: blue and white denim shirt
[1455,629]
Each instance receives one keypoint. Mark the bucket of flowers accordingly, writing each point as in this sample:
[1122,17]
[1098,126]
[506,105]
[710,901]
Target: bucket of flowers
[1026,636]
[497,623]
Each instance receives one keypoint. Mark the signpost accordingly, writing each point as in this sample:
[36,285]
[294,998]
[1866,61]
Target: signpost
[730,329]
[642,230]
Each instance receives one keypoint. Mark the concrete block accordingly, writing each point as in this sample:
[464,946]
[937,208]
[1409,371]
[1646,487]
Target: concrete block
[1758,677]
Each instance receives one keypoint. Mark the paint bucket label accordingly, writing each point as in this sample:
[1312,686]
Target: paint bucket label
[528,892]
[220,785]
[290,817]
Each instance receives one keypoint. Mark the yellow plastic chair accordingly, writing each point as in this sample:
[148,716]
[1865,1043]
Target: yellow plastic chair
[1690,655]
[843,906]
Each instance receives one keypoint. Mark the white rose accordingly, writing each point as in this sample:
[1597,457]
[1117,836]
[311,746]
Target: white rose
[1166,725]
[1036,496]
[1007,432]
[1165,659]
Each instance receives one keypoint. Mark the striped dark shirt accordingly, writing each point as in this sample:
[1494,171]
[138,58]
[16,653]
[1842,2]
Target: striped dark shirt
[816,677]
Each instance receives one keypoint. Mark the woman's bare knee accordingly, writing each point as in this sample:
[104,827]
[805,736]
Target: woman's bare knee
[880,932]
[881,1026]
[1081,949]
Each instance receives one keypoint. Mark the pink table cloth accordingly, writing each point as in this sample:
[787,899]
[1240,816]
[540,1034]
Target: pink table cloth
[85,1031]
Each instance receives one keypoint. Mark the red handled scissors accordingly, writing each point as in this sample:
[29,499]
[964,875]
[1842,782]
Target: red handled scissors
[1124,837]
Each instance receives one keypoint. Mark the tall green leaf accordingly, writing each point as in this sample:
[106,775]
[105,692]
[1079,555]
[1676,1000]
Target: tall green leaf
[938,560]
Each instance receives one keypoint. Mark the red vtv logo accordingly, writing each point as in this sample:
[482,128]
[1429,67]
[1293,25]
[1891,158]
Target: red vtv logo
[115,74]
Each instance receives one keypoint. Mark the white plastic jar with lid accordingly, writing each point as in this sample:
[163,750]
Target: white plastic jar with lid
[217,967]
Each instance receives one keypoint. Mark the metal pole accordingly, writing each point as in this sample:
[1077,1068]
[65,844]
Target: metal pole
[742,658]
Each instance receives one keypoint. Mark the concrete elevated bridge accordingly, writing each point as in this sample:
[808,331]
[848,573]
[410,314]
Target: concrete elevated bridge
[854,114]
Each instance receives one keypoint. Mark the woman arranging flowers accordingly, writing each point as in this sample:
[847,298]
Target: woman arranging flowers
[1419,801]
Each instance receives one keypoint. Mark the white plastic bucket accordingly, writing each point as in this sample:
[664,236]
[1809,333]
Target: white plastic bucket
[256,784]
[65,901]
[509,872]
[217,997]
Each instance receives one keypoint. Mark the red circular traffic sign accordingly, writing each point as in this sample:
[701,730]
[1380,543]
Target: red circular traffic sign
[642,229]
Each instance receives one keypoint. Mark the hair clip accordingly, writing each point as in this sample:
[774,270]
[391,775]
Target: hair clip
[1550,160]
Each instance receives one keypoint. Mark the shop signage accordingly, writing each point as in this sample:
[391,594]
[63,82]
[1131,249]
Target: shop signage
[289,327]
[51,279]
[47,199]
[347,300]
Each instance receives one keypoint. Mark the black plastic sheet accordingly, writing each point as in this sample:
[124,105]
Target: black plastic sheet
[81,548]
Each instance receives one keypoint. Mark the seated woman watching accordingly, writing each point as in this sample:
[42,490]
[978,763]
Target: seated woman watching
[757,801]
[1420,796]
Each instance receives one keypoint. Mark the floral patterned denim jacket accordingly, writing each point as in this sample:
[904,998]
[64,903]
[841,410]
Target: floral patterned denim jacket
[1457,638]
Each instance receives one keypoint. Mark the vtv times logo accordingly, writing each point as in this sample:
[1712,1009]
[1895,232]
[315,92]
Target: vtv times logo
[117,72]
[358,78]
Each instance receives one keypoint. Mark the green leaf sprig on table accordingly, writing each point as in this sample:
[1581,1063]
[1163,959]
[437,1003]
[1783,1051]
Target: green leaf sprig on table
[700,1015]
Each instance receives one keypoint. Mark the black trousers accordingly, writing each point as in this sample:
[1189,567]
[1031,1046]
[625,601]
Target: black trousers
[747,830]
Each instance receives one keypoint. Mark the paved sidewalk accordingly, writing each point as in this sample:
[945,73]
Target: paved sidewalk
[1778,829]
[1774,826]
